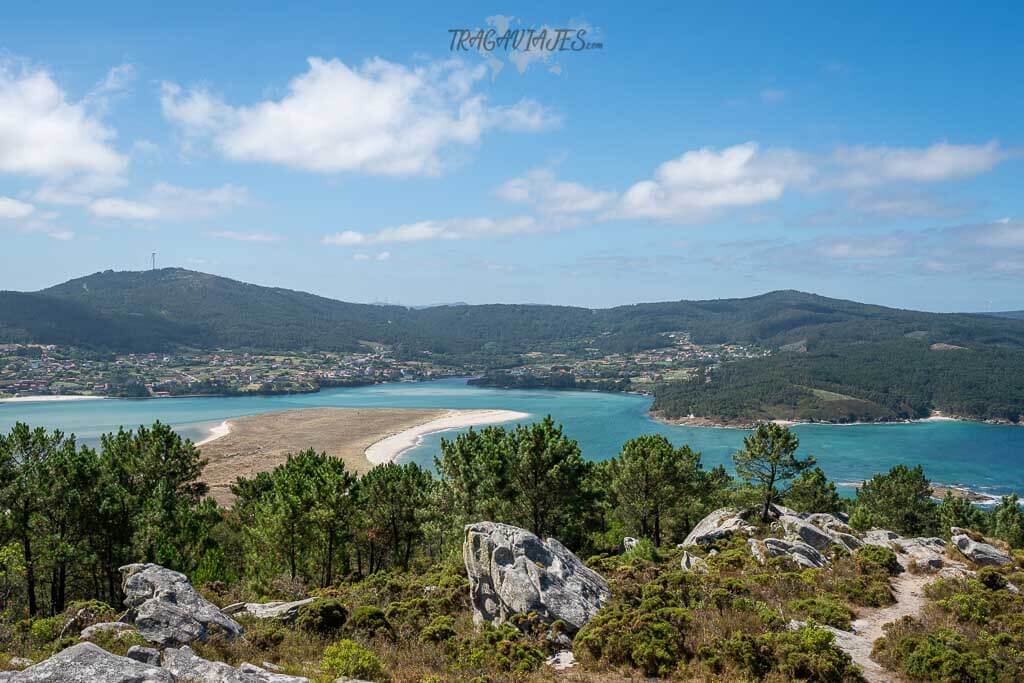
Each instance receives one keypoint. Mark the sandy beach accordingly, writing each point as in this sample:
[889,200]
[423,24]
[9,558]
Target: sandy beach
[221,430]
[244,446]
[48,399]
[390,448]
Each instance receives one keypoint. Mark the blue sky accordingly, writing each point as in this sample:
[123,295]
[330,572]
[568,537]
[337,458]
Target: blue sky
[870,152]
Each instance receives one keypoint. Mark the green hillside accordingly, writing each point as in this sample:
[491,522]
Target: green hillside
[168,307]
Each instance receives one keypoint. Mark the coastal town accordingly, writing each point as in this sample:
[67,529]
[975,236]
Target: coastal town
[52,370]
[48,370]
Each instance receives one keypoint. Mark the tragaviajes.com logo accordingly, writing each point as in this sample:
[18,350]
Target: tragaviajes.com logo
[507,39]
[521,40]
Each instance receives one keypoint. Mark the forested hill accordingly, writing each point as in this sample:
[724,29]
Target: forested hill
[166,308]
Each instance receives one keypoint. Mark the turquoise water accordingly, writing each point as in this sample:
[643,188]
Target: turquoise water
[983,457]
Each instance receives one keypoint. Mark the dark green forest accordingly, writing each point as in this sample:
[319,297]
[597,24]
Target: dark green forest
[897,380]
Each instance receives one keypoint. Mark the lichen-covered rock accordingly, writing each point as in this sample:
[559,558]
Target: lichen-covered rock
[511,571]
[628,543]
[167,610]
[146,655]
[186,665]
[721,523]
[924,554]
[801,530]
[757,550]
[88,663]
[979,553]
[91,632]
[692,563]
[882,537]
[282,611]
[798,551]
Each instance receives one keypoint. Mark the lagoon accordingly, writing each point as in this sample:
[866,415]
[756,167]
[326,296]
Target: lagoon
[985,458]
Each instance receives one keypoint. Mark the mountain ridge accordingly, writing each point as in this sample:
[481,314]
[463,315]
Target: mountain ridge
[170,307]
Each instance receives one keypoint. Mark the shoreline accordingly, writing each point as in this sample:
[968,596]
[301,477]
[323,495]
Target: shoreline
[694,421]
[51,398]
[218,432]
[390,448]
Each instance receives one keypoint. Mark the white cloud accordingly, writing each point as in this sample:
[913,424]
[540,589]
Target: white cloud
[382,256]
[541,188]
[453,229]
[1002,234]
[179,202]
[245,236]
[113,207]
[14,209]
[165,201]
[43,134]
[865,248]
[702,181]
[379,118]
[865,166]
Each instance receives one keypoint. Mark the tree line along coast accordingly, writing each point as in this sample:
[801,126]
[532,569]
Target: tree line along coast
[661,567]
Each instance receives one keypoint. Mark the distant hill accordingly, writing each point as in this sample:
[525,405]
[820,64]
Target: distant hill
[1015,315]
[171,307]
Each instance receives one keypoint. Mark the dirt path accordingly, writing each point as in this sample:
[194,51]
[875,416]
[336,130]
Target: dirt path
[908,589]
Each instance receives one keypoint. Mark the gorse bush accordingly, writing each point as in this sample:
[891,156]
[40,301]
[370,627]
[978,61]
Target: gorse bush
[324,616]
[348,658]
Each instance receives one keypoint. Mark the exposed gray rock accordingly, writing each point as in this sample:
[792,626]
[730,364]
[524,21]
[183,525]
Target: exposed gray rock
[146,655]
[91,632]
[980,553]
[186,665]
[692,563]
[798,551]
[262,675]
[561,660]
[882,537]
[88,663]
[801,530]
[721,523]
[924,554]
[511,571]
[283,611]
[628,543]
[757,550]
[167,610]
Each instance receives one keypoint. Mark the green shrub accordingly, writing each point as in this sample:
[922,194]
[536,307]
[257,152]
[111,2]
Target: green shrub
[370,620]
[807,654]
[47,629]
[651,641]
[503,647]
[324,616]
[873,558]
[348,658]
[990,578]
[824,610]
[442,628]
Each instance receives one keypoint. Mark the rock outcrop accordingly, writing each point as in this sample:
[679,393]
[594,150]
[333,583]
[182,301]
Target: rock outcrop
[282,611]
[924,553]
[167,610]
[88,663]
[798,551]
[692,563]
[186,665]
[977,552]
[511,571]
[721,523]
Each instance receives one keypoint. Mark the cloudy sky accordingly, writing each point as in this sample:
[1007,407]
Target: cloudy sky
[873,153]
